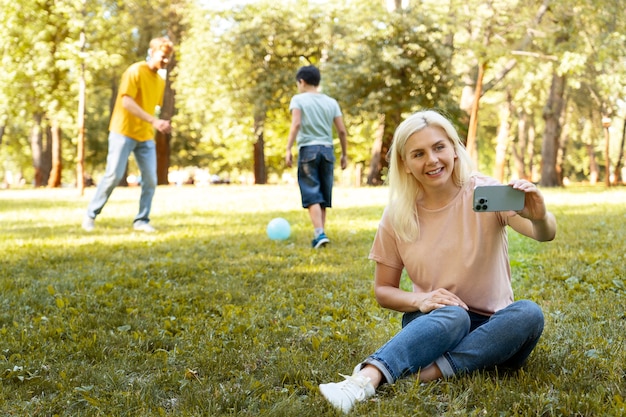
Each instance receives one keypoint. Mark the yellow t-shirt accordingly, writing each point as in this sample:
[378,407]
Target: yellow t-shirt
[146,88]
[458,249]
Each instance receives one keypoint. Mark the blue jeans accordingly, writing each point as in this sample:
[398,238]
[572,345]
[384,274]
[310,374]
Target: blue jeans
[120,148]
[316,165]
[459,341]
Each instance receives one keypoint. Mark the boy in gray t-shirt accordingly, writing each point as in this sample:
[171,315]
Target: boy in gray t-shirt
[313,115]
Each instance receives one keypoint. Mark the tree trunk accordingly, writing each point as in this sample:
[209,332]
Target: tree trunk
[470,100]
[163,157]
[524,44]
[524,149]
[552,132]
[80,148]
[82,88]
[260,170]
[532,135]
[594,170]
[392,5]
[46,156]
[54,180]
[374,177]
[163,140]
[387,124]
[618,164]
[607,157]
[36,147]
[472,144]
[520,144]
[503,139]
[560,156]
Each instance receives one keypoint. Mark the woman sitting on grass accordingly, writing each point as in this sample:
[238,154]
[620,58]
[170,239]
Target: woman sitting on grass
[460,316]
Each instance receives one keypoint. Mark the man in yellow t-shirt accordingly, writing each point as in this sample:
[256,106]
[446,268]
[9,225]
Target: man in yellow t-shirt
[132,130]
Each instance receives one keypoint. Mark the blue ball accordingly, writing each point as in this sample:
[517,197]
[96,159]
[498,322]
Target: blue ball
[278,229]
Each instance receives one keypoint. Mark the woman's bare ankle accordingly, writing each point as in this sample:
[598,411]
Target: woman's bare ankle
[430,373]
[372,372]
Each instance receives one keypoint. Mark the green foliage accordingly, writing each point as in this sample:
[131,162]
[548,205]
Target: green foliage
[236,64]
[240,86]
[42,57]
[208,317]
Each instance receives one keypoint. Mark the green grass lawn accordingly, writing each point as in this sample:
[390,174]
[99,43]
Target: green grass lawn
[208,317]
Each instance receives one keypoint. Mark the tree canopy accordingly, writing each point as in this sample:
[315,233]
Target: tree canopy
[530,81]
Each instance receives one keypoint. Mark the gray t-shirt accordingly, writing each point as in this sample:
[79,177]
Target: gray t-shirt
[318,113]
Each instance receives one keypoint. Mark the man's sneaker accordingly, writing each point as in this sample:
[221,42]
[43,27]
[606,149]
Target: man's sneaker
[89,224]
[143,226]
[320,241]
[343,395]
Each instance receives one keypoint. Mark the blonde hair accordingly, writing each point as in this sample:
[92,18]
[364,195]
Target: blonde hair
[162,44]
[404,189]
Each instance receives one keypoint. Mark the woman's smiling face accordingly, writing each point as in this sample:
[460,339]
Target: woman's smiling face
[429,156]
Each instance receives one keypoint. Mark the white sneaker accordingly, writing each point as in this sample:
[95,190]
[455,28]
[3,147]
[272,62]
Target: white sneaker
[343,395]
[142,226]
[89,224]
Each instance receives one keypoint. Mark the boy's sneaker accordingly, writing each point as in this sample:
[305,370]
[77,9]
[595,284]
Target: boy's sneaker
[143,226]
[343,395]
[320,241]
[89,224]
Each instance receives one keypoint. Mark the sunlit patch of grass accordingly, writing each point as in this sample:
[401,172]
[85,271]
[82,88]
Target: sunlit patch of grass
[210,317]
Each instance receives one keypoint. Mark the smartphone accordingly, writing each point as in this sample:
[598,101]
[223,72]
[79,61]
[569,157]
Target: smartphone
[498,198]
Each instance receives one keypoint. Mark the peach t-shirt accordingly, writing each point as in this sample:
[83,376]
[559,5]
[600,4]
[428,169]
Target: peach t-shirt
[458,249]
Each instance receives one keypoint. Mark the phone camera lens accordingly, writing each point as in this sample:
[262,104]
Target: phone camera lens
[482,201]
[485,207]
